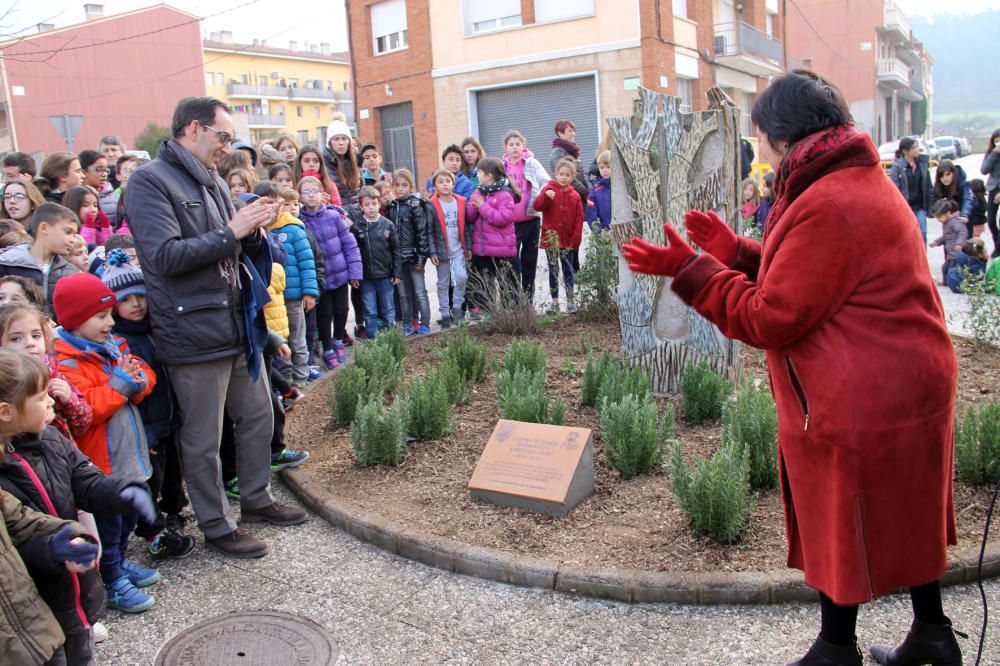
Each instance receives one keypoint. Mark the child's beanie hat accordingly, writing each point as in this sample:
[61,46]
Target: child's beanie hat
[121,276]
[79,297]
[337,128]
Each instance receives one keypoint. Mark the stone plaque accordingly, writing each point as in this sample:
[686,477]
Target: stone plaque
[543,468]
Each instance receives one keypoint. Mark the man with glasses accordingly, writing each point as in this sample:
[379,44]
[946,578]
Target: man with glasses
[194,251]
[112,148]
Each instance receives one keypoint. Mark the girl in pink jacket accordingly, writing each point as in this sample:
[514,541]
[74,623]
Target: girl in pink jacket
[491,211]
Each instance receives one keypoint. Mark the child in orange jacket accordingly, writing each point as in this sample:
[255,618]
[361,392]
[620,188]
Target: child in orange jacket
[113,381]
[562,230]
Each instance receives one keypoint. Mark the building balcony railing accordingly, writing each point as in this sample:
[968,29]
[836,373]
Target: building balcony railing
[917,86]
[892,72]
[895,21]
[737,41]
[265,120]
[285,92]
[245,90]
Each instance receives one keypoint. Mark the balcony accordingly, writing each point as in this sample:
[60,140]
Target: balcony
[913,92]
[317,94]
[747,49]
[243,90]
[686,32]
[256,92]
[896,24]
[262,120]
[892,73]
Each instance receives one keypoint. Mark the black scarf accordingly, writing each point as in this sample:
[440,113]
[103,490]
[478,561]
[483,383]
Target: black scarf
[498,186]
[568,146]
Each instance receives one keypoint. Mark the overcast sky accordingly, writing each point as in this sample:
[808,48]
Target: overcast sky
[315,21]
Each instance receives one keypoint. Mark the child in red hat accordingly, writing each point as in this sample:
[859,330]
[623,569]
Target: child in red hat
[113,381]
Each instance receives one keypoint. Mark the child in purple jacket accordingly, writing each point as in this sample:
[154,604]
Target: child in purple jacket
[342,263]
[492,210]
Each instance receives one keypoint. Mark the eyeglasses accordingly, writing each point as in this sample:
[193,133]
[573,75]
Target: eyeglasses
[99,170]
[225,138]
[307,193]
[18,197]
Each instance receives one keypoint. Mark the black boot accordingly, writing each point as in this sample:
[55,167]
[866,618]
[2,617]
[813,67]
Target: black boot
[933,644]
[827,654]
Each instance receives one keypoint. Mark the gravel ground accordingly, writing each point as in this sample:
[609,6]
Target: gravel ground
[379,608]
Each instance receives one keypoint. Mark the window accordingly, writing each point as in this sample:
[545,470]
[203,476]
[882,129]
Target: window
[280,109]
[680,8]
[209,78]
[631,83]
[389,26]
[298,111]
[685,90]
[293,83]
[321,135]
[244,79]
[769,24]
[220,79]
[302,137]
[748,101]
[482,16]
[560,10]
[316,109]
[347,85]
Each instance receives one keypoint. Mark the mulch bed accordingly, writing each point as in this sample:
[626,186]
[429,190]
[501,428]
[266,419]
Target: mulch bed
[625,524]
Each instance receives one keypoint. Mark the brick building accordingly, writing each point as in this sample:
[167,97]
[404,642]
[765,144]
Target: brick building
[119,72]
[430,72]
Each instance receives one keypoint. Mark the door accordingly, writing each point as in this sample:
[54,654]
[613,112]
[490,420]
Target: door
[533,109]
[399,149]
[725,31]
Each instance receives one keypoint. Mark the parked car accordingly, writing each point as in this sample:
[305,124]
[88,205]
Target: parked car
[965,146]
[887,151]
[929,147]
[948,147]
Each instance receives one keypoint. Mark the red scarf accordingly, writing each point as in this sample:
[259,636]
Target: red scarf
[815,156]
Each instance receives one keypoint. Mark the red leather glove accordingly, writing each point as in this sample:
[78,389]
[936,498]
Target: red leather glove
[711,234]
[645,257]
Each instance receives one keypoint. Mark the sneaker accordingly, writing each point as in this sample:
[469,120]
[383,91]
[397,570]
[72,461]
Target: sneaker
[126,597]
[238,544]
[339,349]
[232,487]
[171,544]
[140,576]
[445,323]
[408,331]
[288,458]
[276,514]
[100,632]
[359,333]
[572,307]
[292,398]
[330,359]
[424,329]
[314,373]
[174,522]
[457,315]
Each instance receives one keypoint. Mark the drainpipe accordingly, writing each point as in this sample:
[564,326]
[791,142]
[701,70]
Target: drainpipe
[784,33]
[354,71]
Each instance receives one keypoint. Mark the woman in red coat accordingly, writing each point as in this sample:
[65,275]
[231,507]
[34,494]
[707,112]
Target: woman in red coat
[861,365]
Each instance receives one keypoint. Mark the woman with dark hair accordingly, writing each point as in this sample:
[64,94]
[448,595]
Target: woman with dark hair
[472,152]
[564,145]
[341,160]
[60,171]
[863,370]
[96,171]
[910,173]
[950,184]
[991,169]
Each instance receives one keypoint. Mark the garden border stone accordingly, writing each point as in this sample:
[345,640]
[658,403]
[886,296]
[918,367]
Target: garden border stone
[631,585]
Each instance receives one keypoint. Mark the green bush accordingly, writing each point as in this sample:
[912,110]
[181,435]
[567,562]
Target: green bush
[378,360]
[633,436]
[625,381]
[751,423]
[456,384]
[594,374]
[395,340]
[977,444]
[597,279]
[568,368]
[983,317]
[527,354]
[379,434]
[702,394]
[522,397]
[349,385]
[715,495]
[427,399]
[468,354]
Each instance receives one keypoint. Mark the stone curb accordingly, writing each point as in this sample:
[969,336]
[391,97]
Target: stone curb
[632,585]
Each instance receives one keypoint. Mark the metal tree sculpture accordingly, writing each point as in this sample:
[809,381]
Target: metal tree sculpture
[666,163]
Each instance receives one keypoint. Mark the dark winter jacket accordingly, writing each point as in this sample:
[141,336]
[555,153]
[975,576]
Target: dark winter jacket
[379,246]
[599,205]
[977,216]
[278,254]
[763,210]
[69,481]
[348,191]
[412,218]
[964,265]
[17,260]
[991,169]
[160,413]
[963,194]
[339,248]
[179,212]
[900,173]
[581,183]
[300,264]
[746,158]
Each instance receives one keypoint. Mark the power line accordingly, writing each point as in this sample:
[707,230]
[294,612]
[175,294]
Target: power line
[126,38]
[165,76]
[820,37]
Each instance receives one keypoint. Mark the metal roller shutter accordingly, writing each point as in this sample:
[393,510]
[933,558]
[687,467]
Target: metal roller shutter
[533,109]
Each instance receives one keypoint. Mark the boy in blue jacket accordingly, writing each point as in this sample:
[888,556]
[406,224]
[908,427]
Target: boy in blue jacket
[301,286]
[599,198]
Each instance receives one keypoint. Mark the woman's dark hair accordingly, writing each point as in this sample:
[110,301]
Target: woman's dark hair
[905,144]
[798,104]
[951,191]
[769,181]
[989,144]
[73,198]
[279,168]
[325,182]
[977,186]
[88,158]
[54,167]
[202,109]
[944,207]
[494,167]
[471,140]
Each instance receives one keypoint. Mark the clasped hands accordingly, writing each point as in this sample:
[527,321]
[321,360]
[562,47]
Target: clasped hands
[707,230]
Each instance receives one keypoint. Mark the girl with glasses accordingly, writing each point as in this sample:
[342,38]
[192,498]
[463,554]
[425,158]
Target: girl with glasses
[20,199]
[95,174]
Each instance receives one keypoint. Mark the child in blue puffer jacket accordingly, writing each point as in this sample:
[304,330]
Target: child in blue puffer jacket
[301,287]
[342,265]
[599,198]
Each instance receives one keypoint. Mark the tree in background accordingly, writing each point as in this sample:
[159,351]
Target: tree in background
[149,139]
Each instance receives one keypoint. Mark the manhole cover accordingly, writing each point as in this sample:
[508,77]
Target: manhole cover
[259,638]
